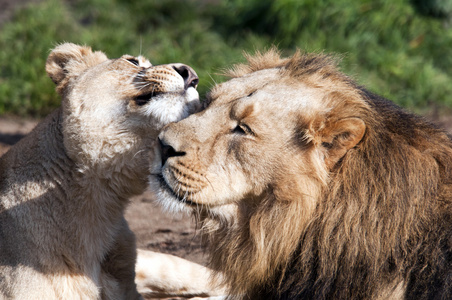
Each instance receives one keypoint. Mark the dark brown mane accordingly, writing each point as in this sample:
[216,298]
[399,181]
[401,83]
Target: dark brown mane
[387,212]
[300,64]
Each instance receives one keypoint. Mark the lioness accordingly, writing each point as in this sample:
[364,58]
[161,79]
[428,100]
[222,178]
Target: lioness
[311,187]
[64,187]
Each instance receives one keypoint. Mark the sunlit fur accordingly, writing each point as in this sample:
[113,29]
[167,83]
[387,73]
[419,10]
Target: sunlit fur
[160,275]
[64,187]
[328,192]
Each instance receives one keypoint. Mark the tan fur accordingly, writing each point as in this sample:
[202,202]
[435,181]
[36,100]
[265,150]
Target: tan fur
[307,186]
[64,187]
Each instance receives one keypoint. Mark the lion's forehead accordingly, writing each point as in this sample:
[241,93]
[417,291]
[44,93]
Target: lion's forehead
[243,86]
[268,105]
[274,90]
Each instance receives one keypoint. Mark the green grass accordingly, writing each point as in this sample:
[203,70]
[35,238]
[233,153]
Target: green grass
[400,49]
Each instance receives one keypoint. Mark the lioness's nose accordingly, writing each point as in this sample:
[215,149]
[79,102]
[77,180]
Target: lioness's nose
[188,74]
[168,151]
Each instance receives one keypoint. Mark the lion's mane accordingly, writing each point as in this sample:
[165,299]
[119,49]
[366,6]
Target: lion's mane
[384,217]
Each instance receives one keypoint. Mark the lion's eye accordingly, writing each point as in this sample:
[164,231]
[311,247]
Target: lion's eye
[242,129]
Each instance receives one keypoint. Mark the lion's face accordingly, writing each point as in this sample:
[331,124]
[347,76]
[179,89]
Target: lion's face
[118,101]
[238,148]
[309,186]
[261,135]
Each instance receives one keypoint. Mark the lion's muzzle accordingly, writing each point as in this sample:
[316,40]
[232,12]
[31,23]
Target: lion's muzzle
[167,151]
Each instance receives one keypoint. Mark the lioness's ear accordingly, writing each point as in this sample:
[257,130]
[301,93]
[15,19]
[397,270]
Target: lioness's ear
[70,60]
[339,137]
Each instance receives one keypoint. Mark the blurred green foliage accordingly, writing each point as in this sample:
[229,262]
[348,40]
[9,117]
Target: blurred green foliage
[435,8]
[400,49]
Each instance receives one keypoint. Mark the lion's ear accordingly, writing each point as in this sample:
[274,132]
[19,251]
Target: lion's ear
[341,136]
[70,60]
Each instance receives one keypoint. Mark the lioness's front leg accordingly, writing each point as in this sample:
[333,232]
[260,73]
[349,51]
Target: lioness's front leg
[119,264]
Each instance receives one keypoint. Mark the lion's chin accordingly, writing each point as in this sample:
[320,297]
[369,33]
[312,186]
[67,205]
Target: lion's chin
[170,202]
[167,198]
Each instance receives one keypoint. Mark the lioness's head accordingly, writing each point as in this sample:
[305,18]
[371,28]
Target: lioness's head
[110,106]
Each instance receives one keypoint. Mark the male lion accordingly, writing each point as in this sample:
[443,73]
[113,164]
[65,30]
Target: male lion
[64,187]
[311,187]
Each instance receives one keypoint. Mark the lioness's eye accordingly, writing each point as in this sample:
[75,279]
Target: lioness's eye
[133,61]
[242,129]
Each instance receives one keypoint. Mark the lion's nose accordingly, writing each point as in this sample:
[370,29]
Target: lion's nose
[188,74]
[168,151]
